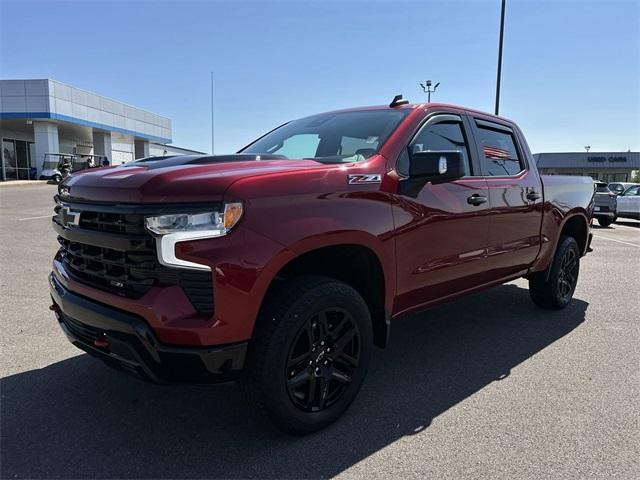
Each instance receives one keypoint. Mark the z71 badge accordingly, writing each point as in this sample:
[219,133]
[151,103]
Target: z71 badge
[360,178]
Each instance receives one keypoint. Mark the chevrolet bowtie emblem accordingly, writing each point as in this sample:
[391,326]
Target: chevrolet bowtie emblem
[69,218]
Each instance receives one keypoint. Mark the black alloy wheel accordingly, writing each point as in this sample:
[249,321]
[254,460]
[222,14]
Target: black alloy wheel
[322,359]
[309,354]
[567,275]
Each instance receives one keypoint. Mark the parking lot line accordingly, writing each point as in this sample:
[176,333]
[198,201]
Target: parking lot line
[627,227]
[35,218]
[615,240]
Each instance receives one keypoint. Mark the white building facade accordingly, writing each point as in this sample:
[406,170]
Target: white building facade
[604,166]
[47,116]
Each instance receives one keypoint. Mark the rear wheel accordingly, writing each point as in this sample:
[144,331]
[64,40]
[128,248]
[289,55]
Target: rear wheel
[553,289]
[310,353]
[605,221]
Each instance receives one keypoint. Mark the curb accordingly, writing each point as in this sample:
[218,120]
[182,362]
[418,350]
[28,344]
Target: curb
[22,183]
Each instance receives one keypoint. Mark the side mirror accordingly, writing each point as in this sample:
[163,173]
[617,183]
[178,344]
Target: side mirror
[436,166]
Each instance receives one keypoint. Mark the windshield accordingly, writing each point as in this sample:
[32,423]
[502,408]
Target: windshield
[341,137]
[53,162]
[602,188]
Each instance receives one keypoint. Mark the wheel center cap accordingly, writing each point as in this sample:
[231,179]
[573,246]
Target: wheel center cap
[320,357]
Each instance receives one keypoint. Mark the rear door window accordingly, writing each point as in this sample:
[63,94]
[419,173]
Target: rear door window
[498,153]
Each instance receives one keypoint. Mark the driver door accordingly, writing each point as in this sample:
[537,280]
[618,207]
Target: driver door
[441,230]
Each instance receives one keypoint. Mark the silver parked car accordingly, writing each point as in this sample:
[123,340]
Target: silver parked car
[619,187]
[606,205]
[629,203]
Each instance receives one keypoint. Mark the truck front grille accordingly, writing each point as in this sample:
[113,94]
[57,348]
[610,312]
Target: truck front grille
[129,265]
[112,222]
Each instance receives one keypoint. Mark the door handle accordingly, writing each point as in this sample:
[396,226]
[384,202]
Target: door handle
[533,196]
[476,199]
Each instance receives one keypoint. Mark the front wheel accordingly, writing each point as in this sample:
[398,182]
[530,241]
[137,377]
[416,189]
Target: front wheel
[56,178]
[310,353]
[553,288]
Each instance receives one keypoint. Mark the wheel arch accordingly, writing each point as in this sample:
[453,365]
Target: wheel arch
[576,226]
[349,259]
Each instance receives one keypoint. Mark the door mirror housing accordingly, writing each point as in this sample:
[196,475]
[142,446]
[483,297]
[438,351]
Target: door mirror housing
[436,166]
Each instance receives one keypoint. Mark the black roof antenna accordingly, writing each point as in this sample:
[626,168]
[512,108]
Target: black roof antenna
[397,101]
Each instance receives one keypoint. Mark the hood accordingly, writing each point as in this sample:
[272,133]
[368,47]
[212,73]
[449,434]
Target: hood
[182,179]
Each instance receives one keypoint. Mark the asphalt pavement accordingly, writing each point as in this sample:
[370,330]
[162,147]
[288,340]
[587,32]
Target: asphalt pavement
[488,386]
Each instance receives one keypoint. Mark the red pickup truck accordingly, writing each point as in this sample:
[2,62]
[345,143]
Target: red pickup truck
[284,264]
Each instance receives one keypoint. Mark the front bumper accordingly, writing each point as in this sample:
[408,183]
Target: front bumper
[604,214]
[126,342]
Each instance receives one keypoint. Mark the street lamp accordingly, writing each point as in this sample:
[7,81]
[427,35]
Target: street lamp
[212,124]
[499,74]
[426,88]
[587,148]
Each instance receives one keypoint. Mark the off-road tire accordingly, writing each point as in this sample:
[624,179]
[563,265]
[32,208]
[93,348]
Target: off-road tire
[553,289]
[284,320]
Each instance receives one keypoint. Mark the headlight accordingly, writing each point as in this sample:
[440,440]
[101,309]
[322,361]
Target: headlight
[181,227]
[214,223]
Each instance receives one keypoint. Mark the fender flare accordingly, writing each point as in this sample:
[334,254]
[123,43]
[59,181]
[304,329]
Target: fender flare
[384,253]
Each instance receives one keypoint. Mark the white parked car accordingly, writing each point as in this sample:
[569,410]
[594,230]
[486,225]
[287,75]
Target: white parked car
[629,203]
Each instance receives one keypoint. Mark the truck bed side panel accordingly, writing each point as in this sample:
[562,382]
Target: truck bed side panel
[564,197]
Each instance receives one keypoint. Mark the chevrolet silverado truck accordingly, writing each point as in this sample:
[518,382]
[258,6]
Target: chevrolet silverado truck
[283,265]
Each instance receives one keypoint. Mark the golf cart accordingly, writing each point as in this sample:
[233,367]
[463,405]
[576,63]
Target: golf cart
[58,166]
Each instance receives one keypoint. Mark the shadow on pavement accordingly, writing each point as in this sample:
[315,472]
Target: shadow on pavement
[77,418]
[627,223]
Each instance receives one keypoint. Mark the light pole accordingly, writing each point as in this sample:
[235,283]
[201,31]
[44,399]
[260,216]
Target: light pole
[500,57]
[426,88]
[212,141]
[587,148]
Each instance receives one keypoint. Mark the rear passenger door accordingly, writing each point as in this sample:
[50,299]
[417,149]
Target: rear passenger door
[515,198]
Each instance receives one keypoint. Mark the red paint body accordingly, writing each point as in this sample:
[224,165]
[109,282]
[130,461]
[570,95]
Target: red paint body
[431,248]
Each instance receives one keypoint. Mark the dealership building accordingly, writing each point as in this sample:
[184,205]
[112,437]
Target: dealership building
[605,166]
[47,116]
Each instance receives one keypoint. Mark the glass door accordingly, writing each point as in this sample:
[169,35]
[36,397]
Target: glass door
[9,163]
[16,159]
[22,160]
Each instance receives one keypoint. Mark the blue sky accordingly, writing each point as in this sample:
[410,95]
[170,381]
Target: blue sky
[570,69]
